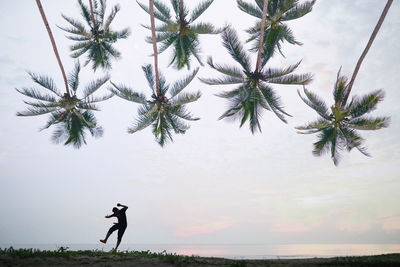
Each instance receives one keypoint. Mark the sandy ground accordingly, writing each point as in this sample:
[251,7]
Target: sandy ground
[113,260]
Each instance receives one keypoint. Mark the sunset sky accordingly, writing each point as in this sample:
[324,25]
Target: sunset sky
[218,183]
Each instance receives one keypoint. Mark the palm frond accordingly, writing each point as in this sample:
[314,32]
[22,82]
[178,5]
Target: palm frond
[35,111]
[249,9]
[366,104]
[274,102]
[275,73]
[322,146]
[181,112]
[94,86]
[162,131]
[40,104]
[167,43]
[298,10]
[316,103]
[164,10]
[300,79]
[313,127]
[339,92]
[143,121]
[46,82]
[158,15]
[178,86]
[353,140]
[111,17]
[128,94]
[87,106]
[205,28]
[370,123]
[222,81]
[86,13]
[36,94]
[185,98]
[93,99]
[176,123]
[76,24]
[73,78]
[199,9]
[148,71]
[227,70]
[229,94]
[235,48]
[123,34]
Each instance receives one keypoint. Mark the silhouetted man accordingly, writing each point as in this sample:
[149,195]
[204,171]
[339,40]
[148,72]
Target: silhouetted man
[120,226]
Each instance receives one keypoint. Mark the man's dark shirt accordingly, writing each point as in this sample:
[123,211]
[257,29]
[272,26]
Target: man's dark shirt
[121,217]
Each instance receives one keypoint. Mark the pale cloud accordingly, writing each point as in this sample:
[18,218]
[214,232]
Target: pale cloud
[289,227]
[207,228]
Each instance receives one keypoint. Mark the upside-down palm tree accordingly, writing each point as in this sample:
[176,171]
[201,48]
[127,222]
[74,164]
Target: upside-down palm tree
[180,31]
[337,127]
[276,31]
[71,115]
[164,112]
[97,40]
[254,91]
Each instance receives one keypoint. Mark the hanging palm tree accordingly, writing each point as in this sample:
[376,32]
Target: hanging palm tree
[97,40]
[337,127]
[181,31]
[165,113]
[71,115]
[276,31]
[254,91]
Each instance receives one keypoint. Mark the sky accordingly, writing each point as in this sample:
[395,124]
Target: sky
[218,183]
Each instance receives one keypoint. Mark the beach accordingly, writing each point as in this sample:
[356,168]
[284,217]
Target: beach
[29,257]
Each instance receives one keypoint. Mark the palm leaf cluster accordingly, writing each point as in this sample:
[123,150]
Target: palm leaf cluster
[337,127]
[71,115]
[165,113]
[97,40]
[180,31]
[254,91]
[276,31]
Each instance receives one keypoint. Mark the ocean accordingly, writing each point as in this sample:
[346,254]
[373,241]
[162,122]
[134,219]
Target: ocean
[237,251]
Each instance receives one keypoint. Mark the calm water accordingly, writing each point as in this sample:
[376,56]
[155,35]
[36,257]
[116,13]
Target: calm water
[254,251]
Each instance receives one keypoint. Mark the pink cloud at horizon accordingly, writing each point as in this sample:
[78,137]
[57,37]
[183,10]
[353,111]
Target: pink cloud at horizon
[202,229]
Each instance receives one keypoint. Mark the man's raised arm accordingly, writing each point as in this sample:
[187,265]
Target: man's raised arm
[123,206]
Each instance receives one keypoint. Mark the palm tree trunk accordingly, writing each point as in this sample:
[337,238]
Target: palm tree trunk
[371,40]
[53,44]
[153,33]
[182,13]
[260,48]
[93,20]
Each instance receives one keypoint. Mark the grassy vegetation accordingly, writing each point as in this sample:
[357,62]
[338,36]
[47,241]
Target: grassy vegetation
[64,252]
[63,256]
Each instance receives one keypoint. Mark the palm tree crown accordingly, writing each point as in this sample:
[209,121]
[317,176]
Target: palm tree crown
[276,31]
[164,113]
[182,32]
[71,115]
[253,92]
[97,41]
[337,127]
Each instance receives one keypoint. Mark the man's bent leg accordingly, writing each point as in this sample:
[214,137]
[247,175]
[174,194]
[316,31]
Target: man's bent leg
[112,229]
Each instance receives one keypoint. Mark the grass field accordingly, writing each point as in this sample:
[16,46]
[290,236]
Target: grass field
[65,257]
